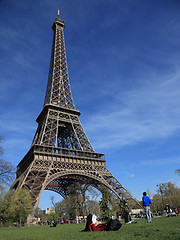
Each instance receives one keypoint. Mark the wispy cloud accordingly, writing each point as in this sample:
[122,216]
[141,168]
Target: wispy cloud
[160,162]
[151,111]
[16,122]
[132,175]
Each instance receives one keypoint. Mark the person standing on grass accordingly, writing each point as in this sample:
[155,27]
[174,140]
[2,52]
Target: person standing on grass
[146,203]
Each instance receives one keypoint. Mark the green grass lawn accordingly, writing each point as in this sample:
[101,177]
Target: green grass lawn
[168,228]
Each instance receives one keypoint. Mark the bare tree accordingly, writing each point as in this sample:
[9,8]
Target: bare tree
[7,170]
[1,149]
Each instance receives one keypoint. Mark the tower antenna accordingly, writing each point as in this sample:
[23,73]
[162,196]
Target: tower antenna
[58,12]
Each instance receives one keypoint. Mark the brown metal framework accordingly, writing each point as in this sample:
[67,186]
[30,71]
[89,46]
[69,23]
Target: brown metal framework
[61,153]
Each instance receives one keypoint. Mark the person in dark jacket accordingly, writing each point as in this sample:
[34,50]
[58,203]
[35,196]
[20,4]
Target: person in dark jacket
[146,203]
[88,223]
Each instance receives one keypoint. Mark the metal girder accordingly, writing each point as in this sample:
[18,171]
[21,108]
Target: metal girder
[49,168]
[61,129]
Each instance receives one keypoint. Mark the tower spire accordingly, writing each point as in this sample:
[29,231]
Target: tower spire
[58,90]
[58,13]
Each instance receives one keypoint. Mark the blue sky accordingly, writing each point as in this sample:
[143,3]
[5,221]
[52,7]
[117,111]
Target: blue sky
[123,60]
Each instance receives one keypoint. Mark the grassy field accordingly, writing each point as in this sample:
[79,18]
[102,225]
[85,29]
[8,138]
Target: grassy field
[160,228]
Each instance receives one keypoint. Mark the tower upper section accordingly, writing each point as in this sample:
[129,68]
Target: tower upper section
[58,90]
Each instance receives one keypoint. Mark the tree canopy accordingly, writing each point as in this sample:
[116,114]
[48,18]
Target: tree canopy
[167,193]
[15,206]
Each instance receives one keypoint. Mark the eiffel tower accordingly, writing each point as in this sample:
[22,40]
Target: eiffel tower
[61,153]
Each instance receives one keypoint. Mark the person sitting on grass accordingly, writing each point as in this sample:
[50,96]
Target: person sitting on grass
[97,225]
[93,225]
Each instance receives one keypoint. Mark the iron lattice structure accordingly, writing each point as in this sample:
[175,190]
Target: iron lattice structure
[61,153]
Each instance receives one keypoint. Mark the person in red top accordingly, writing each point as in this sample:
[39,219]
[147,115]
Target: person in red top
[96,225]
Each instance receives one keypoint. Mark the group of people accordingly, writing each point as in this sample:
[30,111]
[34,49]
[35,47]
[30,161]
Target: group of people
[170,212]
[93,224]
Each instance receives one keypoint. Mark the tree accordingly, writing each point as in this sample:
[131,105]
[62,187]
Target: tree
[157,203]
[167,193]
[93,207]
[7,170]
[78,202]
[38,213]
[167,190]
[15,206]
[177,171]
[108,204]
[67,208]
